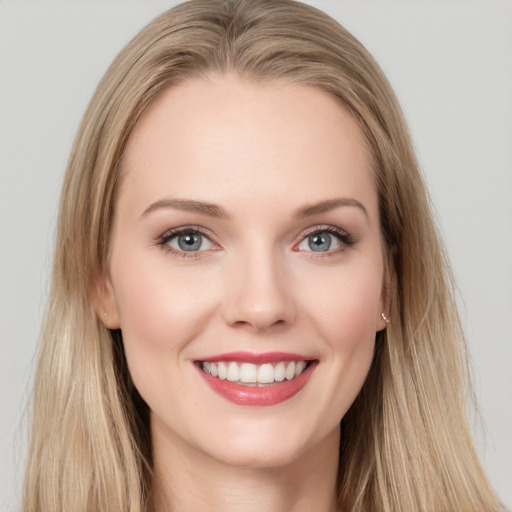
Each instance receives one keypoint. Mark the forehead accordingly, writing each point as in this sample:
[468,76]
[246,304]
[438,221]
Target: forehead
[239,140]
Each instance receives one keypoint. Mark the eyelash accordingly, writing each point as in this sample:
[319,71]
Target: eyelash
[164,240]
[346,240]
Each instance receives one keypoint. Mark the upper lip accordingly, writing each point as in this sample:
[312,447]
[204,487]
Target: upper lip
[257,358]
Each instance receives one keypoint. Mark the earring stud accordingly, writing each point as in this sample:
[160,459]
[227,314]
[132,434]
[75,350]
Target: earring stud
[105,313]
[385,318]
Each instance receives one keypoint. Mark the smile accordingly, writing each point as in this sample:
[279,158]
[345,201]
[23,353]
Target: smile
[249,374]
[256,379]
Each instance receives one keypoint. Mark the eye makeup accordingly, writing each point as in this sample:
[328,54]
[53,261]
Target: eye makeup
[190,241]
[325,240]
[194,241]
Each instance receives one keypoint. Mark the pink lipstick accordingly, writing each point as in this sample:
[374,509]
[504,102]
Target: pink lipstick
[247,378]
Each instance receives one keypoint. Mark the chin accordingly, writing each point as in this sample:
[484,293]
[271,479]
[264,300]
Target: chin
[256,457]
[275,446]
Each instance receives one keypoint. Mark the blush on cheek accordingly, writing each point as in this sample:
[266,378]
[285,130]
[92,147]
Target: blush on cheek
[159,304]
[347,313]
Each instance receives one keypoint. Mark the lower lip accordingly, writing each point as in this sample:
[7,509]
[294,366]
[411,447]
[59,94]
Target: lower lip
[259,396]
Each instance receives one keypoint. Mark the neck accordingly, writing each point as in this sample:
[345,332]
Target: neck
[187,480]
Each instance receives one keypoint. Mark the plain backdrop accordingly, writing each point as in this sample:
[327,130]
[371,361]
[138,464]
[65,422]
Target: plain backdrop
[450,63]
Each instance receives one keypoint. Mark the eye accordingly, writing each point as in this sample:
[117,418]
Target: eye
[186,241]
[327,240]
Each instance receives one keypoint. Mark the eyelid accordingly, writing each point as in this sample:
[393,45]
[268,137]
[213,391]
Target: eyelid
[163,240]
[322,228]
[344,237]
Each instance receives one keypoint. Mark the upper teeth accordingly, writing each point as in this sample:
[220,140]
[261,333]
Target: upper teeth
[248,373]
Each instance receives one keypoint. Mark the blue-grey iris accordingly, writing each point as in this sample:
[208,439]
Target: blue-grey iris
[320,242]
[190,241]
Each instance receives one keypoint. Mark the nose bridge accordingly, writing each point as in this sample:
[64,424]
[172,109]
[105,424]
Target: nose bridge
[261,295]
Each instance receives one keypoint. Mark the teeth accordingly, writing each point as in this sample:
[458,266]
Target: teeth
[248,373]
[233,372]
[299,368]
[223,370]
[279,372]
[266,374]
[290,371]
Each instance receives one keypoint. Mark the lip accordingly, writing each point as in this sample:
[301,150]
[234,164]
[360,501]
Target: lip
[258,396]
[254,358]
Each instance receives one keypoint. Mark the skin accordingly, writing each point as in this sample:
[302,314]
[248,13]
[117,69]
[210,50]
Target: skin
[260,152]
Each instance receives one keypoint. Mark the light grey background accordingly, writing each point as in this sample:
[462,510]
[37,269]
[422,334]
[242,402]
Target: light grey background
[451,65]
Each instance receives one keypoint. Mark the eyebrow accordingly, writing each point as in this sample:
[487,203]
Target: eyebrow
[212,210]
[325,206]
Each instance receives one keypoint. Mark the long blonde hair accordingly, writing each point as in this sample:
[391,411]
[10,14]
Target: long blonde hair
[406,444]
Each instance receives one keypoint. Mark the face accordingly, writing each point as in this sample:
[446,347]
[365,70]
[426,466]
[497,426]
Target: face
[246,268]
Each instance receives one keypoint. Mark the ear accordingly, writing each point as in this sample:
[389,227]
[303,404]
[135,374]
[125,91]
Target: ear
[104,301]
[388,279]
[383,313]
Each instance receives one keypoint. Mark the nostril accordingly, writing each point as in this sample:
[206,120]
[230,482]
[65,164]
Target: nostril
[259,324]
[259,300]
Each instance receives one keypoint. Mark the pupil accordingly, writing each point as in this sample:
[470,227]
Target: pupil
[189,241]
[320,242]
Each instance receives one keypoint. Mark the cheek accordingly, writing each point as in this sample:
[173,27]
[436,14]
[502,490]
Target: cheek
[346,303]
[344,308]
[160,309]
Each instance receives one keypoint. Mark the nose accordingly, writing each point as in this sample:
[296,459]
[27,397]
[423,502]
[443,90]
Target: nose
[261,294]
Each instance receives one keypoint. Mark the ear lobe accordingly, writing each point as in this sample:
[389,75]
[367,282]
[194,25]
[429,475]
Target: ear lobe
[385,296]
[383,314]
[381,322]
[104,301]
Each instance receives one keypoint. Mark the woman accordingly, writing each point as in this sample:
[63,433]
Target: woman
[249,306]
